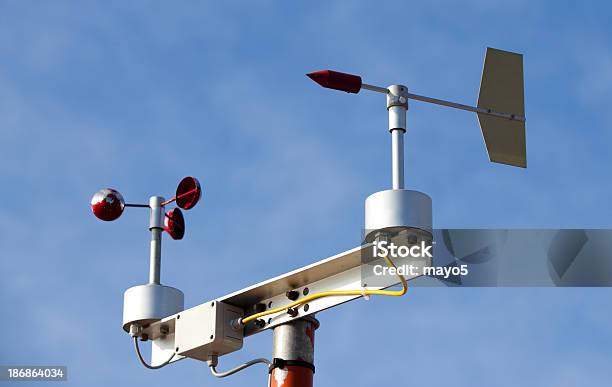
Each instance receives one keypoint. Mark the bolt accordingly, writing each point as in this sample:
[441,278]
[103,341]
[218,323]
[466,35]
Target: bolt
[164,329]
[292,312]
[293,295]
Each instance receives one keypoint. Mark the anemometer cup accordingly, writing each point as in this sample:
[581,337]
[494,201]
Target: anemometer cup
[396,209]
[146,304]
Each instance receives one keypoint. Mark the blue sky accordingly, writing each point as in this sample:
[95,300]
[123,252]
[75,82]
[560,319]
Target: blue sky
[136,96]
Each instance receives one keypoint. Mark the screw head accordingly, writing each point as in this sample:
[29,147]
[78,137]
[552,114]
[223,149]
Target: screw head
[292,295]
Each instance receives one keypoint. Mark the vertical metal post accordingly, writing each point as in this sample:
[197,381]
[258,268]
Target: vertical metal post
[156,225]
[397,105]
[293,353]
[397,158]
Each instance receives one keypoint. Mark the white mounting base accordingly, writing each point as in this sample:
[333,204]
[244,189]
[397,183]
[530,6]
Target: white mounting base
[397,208]
[145,304]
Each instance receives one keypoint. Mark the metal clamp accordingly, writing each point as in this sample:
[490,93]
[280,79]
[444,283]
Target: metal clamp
[282,363]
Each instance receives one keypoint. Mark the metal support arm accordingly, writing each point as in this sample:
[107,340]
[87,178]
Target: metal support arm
[437,101]
[469,108]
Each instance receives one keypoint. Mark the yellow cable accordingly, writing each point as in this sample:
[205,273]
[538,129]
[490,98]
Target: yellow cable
[363,292]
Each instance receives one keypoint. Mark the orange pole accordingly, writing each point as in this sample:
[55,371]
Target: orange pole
[291,376]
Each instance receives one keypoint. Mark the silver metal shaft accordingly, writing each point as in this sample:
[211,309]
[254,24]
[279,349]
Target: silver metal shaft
[293,342]
[377,89]
[397,105]
[156,226]
[397,158]
[474,109]
[422,98]
[155,256]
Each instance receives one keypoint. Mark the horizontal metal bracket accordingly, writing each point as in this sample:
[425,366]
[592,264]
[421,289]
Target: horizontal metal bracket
[339,272]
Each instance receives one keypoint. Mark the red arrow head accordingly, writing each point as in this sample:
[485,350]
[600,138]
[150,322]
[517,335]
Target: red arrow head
[338,81]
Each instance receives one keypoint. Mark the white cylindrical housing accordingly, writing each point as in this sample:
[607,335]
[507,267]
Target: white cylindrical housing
[397,208]
[144,304]
[397,105]
[156,216]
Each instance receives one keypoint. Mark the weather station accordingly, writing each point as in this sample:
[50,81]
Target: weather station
[288,303]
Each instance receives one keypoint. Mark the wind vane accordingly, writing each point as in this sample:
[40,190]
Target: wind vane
[500,107]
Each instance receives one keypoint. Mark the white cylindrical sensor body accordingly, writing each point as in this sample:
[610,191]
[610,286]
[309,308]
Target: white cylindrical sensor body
[145,304]
[397,208]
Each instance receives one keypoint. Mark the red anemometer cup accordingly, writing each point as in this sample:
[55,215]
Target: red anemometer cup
[107,204]
[174,224]
[188,193]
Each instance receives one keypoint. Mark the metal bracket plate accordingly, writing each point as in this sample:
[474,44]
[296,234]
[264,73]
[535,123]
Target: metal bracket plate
[340,272]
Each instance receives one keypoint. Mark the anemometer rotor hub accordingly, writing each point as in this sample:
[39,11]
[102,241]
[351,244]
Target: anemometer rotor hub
[156,217]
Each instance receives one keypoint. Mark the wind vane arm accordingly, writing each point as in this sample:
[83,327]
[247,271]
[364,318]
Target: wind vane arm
[353,84]
[475,109]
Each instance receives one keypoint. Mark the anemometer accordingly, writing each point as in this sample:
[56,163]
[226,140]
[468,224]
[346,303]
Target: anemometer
[144,304]
[288,303]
